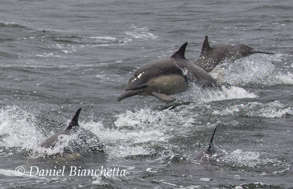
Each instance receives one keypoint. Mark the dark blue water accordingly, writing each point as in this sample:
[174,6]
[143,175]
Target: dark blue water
[58,56]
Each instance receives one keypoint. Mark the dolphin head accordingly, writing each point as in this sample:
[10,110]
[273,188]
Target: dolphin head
[138,80]
[137,83]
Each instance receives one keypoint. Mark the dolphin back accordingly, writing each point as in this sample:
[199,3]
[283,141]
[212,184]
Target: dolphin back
[79,139]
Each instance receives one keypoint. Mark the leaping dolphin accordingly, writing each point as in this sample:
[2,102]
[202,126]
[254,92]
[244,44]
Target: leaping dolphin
[83,140]
[211,57]
[166,76]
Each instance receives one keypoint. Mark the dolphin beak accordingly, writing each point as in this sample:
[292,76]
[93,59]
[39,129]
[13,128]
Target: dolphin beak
[126,94]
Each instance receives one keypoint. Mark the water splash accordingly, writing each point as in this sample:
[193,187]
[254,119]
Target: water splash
[256,109]
[253,70]
[17,129]
[227,93]
[200,95]
[240,158]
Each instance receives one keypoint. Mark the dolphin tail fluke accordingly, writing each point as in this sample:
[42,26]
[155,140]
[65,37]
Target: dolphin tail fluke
[74,121]
[181,52]
[211,141]
[262,52]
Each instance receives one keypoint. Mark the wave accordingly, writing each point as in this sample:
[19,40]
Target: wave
[13,25]
[135,33]
[256,109]
[140,33]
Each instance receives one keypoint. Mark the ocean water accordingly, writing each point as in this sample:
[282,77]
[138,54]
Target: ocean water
[58,56]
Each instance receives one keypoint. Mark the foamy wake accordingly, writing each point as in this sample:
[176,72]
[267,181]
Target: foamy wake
[256,69]
[199,95]
[256,109]
[226,93]
[133,133]
[240,158]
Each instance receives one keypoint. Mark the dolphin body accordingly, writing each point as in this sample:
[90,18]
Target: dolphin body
[83,140]
[211,57]
[209,151]
[166,76]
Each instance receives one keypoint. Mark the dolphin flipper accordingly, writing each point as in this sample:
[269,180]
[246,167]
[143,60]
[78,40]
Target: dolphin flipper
[163,97]
[262,52]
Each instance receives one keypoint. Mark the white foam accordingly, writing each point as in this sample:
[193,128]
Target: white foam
[141,33]
[284,78]
[205,179]
[104,38]
[135,132]
[46,55]
[225,93]
[98,180]
[256,69]
[18,131]
[256,109]
[250,159]
[107,40]
[17,128]
[244,71]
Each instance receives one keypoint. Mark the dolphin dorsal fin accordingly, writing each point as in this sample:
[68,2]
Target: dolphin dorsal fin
[74,121]
[206,45]
[181,52]
[211,141]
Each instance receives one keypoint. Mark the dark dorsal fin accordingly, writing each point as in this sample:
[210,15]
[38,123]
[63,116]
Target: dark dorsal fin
[206,45]
[211,141]
[74,121]
[181,52]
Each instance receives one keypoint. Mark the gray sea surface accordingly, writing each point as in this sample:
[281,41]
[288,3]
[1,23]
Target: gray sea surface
[58,56]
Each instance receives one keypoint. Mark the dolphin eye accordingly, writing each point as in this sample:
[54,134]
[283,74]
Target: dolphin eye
[139,75]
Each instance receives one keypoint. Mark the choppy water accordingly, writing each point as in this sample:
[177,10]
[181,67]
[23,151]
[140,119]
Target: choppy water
[57,56]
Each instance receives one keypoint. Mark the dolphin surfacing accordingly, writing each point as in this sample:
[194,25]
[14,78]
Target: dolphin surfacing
[210,150]
[166,76]
[83,140]
[210,57]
